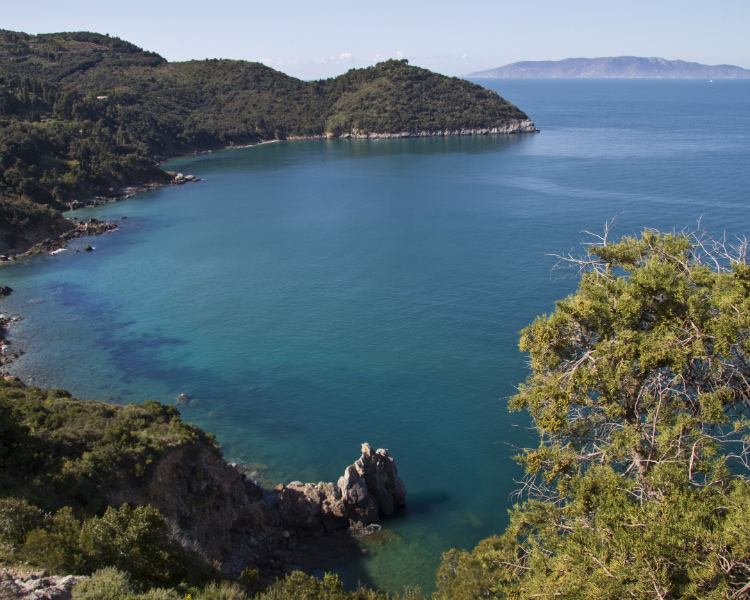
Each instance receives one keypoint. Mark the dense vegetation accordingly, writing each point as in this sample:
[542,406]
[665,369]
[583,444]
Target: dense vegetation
[58,451]
[59,459]
[640,393]
[83,114]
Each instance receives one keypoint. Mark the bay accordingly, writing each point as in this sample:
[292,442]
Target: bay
[311,296]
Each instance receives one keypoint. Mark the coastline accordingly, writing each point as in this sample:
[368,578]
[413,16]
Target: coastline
[95,227]
[5,321]
[301,544]
[514,128]
[79,229]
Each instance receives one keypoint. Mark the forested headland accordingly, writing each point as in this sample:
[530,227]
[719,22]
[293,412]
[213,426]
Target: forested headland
[83,114]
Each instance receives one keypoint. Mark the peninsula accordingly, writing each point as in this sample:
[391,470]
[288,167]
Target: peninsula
[623,67]
[84,114]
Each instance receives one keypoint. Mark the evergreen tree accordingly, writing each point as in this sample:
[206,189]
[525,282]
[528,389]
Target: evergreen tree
[640,394]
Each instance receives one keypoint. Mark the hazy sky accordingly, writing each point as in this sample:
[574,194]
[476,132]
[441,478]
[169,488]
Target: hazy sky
[325,38]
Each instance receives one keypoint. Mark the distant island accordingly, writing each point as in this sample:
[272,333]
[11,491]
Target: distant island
[622,67]
[84,114]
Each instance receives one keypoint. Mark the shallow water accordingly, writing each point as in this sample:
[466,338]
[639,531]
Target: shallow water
[311,296]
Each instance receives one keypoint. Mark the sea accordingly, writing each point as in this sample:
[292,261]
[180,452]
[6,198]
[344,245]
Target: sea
[310,296]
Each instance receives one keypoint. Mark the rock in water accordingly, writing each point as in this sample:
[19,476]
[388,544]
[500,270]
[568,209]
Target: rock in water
[362,507]
[372,486]
[368,488]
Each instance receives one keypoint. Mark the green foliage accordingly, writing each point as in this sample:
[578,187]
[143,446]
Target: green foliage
[394,97]
[17,519]
[298,586]
[222,591]
[105,584]
[111,584]
[687,544]
[252,582]
[639,392]
[59,451]
[645,367]
[67,456]
[56,547]
[136,541]
[132,539]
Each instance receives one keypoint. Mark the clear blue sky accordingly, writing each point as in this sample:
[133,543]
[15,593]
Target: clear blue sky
[324,38]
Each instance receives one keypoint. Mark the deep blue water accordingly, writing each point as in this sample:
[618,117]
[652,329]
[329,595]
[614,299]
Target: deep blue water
[315,295]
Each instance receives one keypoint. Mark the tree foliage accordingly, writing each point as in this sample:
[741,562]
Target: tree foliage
[645,368]
[136,541]
[639,391]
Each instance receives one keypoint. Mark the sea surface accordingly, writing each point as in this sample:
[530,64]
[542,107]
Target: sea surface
[311,296]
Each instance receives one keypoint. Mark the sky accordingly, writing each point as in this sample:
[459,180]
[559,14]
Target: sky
[324,38]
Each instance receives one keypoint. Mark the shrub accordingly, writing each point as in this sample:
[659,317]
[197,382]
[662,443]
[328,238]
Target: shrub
[106,584]
[17,519]
[56,547]
[222,591]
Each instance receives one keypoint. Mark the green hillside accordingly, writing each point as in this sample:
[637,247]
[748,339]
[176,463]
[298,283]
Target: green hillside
[83,114]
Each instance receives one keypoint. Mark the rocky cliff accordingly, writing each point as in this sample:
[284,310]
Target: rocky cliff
[220,512]
[515,126]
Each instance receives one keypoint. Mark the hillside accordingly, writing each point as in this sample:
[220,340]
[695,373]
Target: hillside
[626,67]
[83,114]
[86,485]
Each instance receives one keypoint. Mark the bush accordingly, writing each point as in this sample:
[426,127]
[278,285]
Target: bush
[17,519]
[57,547]
[106,584]
[222,591]
[251,580]
[132,539]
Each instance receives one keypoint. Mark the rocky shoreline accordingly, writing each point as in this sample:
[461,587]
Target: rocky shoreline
[219,510]
[79,228]
[516,127]
[50,244]
[5,355]
[131,190]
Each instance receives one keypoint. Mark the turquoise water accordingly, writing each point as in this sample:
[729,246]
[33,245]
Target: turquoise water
[311,296]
